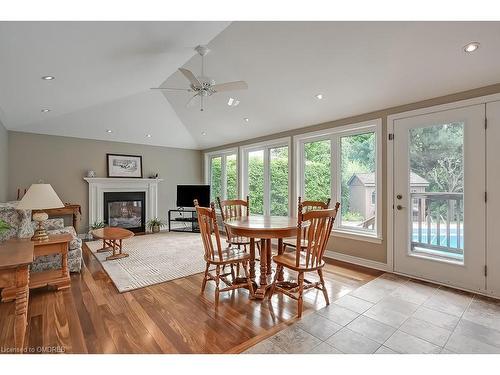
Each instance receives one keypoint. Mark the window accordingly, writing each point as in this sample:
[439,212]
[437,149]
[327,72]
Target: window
[256,181]
[357,170]
[221,169]
[317,170]
[279,181]
[266,177]
[215,178]
[231,177]
[344,164]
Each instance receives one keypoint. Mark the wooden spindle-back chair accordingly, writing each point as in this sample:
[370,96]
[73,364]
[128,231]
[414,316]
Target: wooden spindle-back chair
[231,209]
[318,225]
[216,256]
[306,207]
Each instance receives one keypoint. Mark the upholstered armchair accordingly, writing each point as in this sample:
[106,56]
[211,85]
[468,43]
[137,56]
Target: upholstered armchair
[21,226]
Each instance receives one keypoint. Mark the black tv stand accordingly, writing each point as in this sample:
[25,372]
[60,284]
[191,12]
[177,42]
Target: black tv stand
[187,216]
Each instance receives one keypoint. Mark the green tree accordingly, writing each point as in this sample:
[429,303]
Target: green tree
[215,178]
[317,172]
[231,177]
[436,154]
[279,181]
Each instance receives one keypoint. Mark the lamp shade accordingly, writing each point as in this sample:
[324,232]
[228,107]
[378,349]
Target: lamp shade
[40,197]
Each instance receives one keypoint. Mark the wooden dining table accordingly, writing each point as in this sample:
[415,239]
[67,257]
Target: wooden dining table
[263,228]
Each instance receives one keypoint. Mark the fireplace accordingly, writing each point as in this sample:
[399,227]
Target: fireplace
[125,210]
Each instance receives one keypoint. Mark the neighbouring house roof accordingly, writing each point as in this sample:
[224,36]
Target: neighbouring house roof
[368,179]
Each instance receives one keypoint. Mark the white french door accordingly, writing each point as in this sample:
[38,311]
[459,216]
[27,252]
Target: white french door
[439,197]
[493,201]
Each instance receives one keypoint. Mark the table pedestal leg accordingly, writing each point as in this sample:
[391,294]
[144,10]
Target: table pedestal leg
[280,252]
[252,258]
[117,250]
[269,256]
[261,291]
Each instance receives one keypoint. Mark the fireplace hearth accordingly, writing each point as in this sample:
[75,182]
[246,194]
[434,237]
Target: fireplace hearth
[125,210]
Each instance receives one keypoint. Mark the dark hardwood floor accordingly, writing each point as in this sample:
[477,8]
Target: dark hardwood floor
[172,317]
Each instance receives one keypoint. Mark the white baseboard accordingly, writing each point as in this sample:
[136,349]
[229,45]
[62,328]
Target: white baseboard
[358,261]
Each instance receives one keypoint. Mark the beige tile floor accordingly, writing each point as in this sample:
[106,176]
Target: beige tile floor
[394,314]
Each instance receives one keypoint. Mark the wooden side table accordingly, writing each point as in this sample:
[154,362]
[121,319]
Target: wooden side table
[59,278]
[15,258]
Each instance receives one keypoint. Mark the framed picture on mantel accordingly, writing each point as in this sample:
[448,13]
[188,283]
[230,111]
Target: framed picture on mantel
[124,166]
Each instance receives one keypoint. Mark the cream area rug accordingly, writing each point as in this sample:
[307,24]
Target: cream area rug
[153,259]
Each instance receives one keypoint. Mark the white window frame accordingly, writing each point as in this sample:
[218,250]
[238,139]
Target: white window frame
[266,146]
[334,135]
[223,154]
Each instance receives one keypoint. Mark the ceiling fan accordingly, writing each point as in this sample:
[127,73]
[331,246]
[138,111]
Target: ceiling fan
[203,86]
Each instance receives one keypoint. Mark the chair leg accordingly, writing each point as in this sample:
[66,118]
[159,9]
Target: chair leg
[301,292]
[205,278]
[273,285]
[249,280]
[232,272]
[323,287]
[217,278]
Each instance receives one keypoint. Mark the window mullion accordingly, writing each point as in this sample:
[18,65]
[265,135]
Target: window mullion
[336,173]
[223,177]
[267,182]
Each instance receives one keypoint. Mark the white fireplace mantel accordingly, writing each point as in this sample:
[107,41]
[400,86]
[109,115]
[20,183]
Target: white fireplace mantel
[100,185]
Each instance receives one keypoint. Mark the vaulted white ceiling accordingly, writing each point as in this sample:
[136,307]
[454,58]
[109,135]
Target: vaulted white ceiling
[104,71]
[103,74]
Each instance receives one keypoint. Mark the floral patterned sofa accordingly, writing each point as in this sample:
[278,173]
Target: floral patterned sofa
[21,226]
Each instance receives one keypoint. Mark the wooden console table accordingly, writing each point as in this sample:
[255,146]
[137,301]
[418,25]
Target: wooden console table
[15,258]
[69,209]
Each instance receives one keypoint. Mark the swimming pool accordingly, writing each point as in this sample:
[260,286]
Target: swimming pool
[443,239]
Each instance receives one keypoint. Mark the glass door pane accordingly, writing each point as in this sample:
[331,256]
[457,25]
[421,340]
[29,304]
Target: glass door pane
[256,181]
[215,178]
[436,190]
[278,175]
[231,177]
[317,171]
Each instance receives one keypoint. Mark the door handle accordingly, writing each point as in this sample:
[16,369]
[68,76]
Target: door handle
[399,207]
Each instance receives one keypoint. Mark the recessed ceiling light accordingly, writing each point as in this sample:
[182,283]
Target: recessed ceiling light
[45,110]
[48,78]
[232,102]
[246,119]
[109,131]
[318,96]
[471,47]
[203,133]
[148,135]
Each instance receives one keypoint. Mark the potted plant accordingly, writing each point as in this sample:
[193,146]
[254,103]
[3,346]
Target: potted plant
[96,225]
[4,227]
[155,224]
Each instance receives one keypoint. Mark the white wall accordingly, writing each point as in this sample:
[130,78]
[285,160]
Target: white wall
[64,161]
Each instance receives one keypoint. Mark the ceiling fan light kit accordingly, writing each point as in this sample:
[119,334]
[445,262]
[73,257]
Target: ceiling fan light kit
[203,86]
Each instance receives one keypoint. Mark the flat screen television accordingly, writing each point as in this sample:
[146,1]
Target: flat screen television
[187,193]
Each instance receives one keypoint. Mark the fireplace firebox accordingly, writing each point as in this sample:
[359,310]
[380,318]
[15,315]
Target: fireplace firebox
[125,210]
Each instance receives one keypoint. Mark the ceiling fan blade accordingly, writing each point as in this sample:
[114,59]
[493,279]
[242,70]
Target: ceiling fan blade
[170,89]
[191,77]
[228,86]
[191,101]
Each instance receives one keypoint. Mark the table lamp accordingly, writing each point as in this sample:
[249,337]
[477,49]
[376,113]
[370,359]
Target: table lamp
[40,197]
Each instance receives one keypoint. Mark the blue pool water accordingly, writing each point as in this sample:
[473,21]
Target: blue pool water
[442,237]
